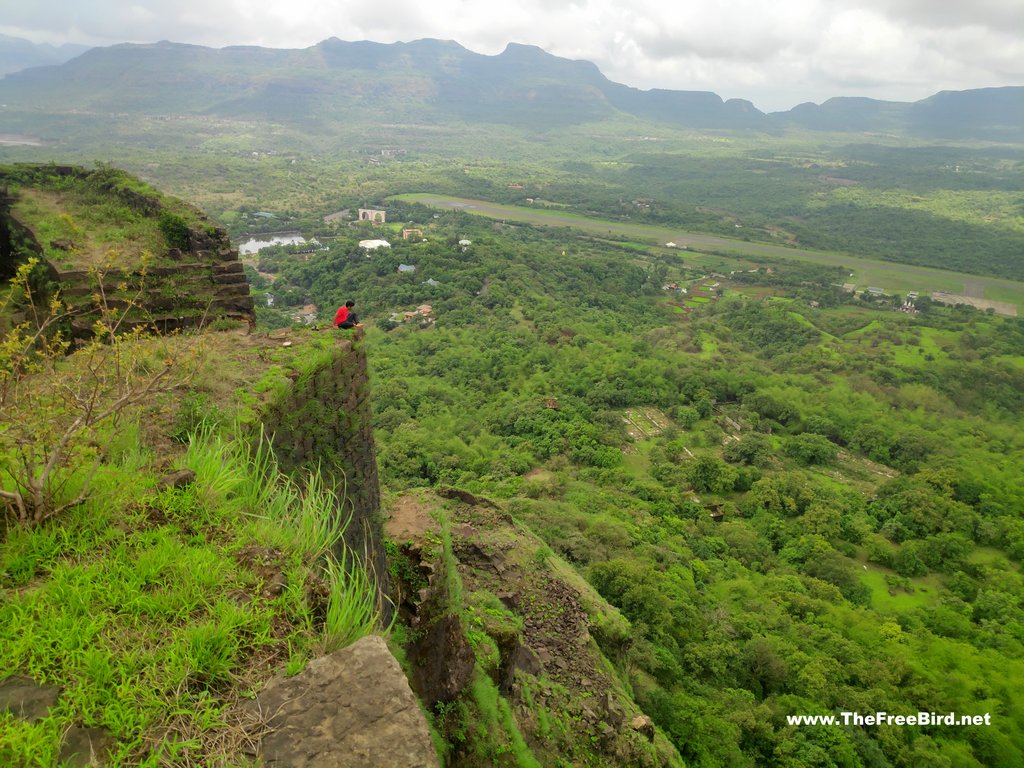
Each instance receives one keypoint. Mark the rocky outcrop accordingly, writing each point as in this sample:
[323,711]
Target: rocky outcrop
[515,619]
[440,656]
[27,699]
[442,660]
[81,746]
[351,709]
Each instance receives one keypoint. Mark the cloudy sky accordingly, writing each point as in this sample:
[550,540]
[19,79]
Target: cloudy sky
[775,53]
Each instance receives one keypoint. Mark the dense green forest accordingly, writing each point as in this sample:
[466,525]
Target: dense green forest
[803,502]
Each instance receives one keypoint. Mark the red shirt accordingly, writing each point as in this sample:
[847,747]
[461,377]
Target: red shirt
[342,315]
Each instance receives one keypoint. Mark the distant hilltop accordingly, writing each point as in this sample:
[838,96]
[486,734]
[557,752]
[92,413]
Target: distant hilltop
[441,82]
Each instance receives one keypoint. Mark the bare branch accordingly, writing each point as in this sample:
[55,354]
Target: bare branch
[55,416]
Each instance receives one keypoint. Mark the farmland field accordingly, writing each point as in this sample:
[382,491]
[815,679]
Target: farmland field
[890,276]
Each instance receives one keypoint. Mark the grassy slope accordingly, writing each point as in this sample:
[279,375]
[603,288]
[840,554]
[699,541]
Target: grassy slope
[160,611]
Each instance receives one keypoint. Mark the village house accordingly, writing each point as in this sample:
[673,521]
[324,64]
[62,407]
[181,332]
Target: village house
[409,232]
[372,245]
[373,215]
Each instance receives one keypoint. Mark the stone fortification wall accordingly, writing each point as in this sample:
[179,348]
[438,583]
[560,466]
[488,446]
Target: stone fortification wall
[209,283]
[325,419]
[197,280]
[354,707]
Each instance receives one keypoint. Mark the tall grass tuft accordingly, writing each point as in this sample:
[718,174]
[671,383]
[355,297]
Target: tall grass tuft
[318,519]
[219,473]
[352,607]
[140,606]
[264,486]
[307,516]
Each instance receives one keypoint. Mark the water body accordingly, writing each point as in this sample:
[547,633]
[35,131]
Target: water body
[255,245]
[17,140]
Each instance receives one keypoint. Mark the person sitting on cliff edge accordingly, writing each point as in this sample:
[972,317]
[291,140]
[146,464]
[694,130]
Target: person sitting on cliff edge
[345,317]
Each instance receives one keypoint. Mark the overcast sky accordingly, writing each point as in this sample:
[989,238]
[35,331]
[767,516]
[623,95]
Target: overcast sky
[777,53]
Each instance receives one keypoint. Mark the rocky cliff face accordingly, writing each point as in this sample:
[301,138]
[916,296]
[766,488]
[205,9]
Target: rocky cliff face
[506,646]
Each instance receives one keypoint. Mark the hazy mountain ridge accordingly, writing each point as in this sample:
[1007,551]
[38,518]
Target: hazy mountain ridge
[441,81]
[983,113]
[17,53]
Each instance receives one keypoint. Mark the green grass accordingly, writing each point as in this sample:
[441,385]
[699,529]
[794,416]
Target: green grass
[1017,361]
[923,592]
[708,346]
[930,343]
[151,609]
[102,232]
[988,556]
[872,326]
[637,462]
[496,727]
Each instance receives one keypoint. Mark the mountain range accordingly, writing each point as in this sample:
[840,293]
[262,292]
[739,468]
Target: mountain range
[435,82]
[17,54]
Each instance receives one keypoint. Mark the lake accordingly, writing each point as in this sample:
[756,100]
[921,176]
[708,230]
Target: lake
[256,244]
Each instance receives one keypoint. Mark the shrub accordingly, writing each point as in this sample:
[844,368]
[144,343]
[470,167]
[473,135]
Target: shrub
[175,229]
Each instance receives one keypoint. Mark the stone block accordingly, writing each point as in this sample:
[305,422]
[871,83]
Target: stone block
[27,699]
[86,747]
[351,708]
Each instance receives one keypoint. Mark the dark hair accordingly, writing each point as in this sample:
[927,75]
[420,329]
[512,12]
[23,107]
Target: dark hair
[350,303]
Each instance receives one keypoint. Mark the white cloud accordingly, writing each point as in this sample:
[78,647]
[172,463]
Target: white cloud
[776,54]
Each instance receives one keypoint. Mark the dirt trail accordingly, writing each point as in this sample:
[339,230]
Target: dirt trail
[409,519]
